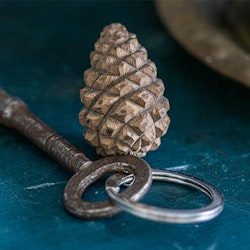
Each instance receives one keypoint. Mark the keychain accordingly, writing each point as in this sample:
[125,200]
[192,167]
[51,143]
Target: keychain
[124,113]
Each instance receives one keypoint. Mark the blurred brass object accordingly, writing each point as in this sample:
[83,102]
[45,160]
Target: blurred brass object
[224,48]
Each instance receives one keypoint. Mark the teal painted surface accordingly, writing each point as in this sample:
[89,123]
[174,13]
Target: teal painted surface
[44,47]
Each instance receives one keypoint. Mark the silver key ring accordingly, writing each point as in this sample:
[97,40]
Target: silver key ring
[168,215]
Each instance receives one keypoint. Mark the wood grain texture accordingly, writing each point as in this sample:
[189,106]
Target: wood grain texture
[124,111]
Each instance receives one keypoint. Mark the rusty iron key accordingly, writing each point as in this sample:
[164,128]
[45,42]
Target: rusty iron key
[15,114]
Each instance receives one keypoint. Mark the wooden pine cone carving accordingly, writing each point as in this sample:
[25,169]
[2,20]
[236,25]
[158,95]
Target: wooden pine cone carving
[124,111]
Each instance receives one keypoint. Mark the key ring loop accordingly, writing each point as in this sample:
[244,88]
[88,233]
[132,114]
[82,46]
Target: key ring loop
[80,181]
[169,215]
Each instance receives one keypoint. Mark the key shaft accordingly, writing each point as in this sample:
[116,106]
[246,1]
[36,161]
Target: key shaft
[15,114]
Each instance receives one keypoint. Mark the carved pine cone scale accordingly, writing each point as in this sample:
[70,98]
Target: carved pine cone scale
[124,111]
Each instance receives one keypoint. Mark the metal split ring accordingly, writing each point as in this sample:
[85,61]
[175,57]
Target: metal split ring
[136,174]
[168,215]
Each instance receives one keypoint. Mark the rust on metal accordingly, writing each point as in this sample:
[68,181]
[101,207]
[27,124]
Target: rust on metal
[76,186]
[14,114]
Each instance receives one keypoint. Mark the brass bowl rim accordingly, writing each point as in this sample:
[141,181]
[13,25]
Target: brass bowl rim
[203,39]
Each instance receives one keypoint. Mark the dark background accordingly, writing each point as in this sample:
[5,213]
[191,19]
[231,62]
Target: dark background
[44,48]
